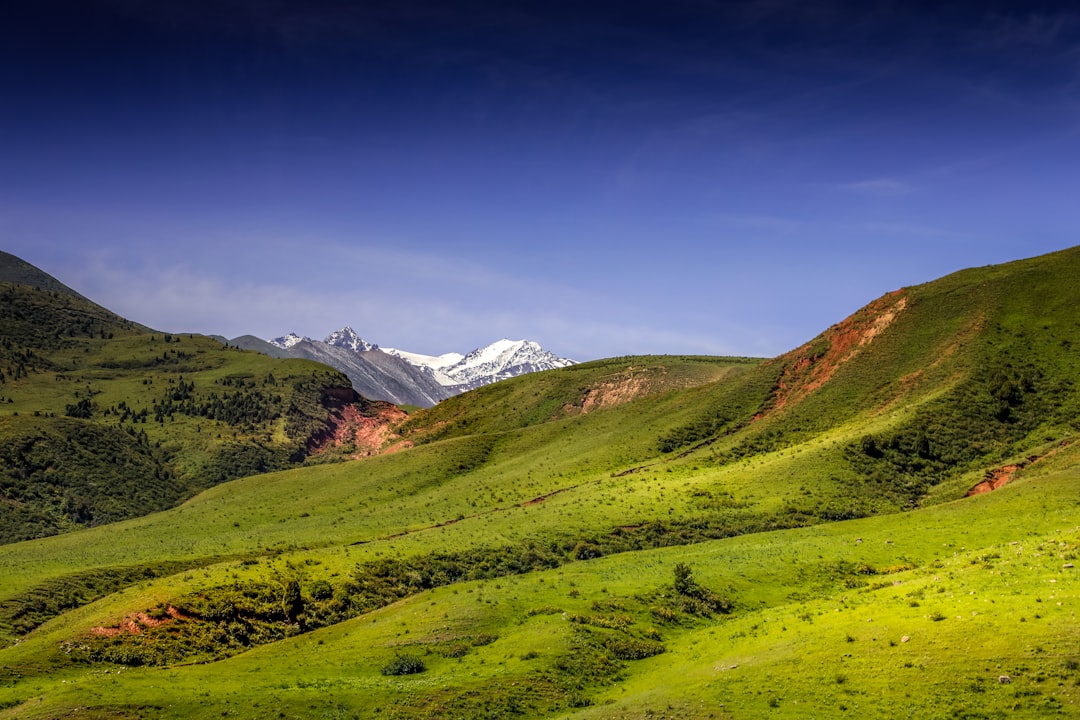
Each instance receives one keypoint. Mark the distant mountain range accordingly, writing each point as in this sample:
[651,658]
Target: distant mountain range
[408,378]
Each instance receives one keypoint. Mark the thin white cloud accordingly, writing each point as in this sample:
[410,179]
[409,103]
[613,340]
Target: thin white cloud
[417,301]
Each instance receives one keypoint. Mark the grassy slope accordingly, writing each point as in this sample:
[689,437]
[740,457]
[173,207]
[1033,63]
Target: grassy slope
[805,639]
[809,630]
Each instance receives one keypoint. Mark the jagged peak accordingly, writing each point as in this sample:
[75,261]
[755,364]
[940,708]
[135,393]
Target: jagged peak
[287,341]
[348,338]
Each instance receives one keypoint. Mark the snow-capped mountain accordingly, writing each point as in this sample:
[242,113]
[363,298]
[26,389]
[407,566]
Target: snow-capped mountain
[404,377]
[347,338]
[431,365]
[500,360]
[504,359]
[286,341]
[435,362]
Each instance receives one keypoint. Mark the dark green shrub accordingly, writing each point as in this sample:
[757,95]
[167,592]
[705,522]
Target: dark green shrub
[404,665]
[695,598]
[586,551]
[321,590]
[454,650]
[628,648]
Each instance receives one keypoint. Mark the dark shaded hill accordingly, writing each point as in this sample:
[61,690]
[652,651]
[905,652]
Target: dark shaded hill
[16,270]
[59,473]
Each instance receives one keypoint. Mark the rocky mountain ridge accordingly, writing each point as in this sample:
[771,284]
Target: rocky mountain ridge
[407,378]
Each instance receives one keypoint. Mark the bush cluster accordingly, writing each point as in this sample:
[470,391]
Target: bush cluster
[404,665]
[977,423]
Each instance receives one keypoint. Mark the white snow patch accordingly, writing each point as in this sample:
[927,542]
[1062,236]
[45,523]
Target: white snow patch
[287,341]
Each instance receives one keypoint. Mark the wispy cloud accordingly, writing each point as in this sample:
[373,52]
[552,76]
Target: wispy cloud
[426,302]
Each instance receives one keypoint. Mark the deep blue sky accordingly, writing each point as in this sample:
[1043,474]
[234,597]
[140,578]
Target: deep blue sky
[607,178]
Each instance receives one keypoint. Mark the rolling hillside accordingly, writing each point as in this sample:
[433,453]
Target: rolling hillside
[102,419]
[636,537]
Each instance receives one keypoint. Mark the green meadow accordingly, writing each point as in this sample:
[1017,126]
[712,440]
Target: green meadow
[640,537]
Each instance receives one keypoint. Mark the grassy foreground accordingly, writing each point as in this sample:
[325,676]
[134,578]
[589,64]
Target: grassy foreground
[913,615]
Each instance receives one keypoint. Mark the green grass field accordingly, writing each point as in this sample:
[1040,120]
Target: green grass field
[527,556]
[916,614]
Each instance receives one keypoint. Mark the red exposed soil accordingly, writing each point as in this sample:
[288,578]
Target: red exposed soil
[809,367]
[367,427]
[1000,476]
[994,479]
[135,623]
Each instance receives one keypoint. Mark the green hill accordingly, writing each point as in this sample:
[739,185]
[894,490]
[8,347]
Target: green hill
[102,419]
[18,271]
[637,537]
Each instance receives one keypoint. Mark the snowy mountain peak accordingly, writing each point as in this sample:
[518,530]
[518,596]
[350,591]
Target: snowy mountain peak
[500,360]
[503,359]
[347,338]
[286,341]
[501,349]
[442,375]
[436,362]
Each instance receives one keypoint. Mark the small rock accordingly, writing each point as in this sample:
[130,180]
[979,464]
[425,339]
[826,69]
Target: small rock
[904,639]
[1067,565]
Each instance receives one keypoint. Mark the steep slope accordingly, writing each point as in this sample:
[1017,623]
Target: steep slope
[627,538]
[374,374]
[18,271]
[944,378]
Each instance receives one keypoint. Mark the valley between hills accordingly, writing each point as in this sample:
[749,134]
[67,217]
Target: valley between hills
[883,522]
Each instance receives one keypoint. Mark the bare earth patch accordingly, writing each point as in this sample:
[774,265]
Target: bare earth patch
[370,431]
[998,477]
[809,367]
[135,623]
[618,389]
